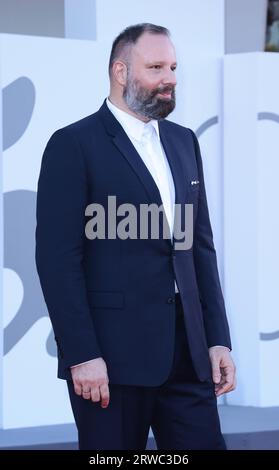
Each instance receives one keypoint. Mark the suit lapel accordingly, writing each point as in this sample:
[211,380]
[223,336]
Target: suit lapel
[127,149]
[174,158]
[125,146]
[123,143]
[174,155]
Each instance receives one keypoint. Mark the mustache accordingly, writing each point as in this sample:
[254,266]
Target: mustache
[164,89]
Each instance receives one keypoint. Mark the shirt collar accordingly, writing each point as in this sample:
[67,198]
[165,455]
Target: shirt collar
[132,126]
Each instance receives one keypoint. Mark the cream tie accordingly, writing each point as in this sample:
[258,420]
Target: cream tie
[152,147]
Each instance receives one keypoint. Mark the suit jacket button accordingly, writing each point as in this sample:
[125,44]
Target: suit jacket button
[170,300]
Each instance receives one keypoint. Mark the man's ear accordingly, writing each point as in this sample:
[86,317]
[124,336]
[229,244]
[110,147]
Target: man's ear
[119,71]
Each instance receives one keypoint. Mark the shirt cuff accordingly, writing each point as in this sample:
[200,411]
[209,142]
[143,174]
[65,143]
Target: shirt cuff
[76,365]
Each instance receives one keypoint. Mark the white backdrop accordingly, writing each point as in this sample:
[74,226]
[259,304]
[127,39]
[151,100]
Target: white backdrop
[251,118]
[49,83]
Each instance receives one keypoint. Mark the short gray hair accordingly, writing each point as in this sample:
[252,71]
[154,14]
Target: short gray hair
[130,35]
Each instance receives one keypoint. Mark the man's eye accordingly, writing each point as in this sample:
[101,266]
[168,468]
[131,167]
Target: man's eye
[156,67]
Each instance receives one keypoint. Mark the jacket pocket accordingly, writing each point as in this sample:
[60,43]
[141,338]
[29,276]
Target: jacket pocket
[105,299]
[194,185]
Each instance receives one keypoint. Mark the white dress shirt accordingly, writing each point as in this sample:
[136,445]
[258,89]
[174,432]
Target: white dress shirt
[146,139]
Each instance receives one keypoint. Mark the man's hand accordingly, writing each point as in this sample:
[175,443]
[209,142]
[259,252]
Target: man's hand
[91,381]
[223,370]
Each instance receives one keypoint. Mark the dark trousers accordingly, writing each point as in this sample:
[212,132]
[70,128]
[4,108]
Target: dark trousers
[182,412]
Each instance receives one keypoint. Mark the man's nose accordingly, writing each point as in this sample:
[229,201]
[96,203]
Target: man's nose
[170,78]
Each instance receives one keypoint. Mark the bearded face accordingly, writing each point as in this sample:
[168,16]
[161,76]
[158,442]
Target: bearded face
[155,103]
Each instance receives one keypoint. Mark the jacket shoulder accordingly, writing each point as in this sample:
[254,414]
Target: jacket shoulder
[78,129]
[177,128]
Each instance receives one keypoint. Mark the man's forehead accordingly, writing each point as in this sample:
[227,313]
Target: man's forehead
[154,46]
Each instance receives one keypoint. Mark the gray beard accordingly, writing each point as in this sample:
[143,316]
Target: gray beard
[146,103]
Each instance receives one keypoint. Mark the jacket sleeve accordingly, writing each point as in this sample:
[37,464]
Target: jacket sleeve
[211,297]
[60,235]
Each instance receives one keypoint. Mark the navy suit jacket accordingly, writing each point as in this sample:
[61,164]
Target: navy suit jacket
[114,298]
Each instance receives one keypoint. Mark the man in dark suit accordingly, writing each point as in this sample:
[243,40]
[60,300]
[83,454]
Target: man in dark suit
[139,320]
